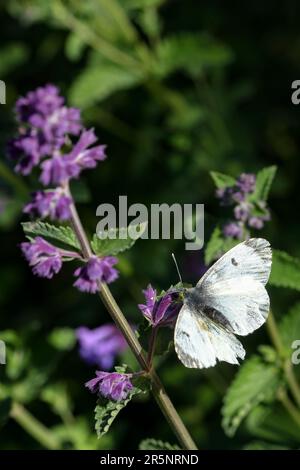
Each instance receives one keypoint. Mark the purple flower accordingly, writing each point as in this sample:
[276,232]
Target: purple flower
[61,168]
[242,211]
[43,109]
[55,171]
[111,385]
[24,150]
[53,203]
[160,312]
[246,182]
[42,101]
[233,230]
[45,124]
[95,271]
[256,222]
[100,346]
[82,156]
[44,258]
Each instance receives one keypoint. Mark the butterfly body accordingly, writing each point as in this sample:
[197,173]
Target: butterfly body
[230,299]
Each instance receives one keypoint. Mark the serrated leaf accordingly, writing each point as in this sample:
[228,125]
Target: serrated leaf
[285,270]
[256,382]
[114,241]
[63,234]
[221,180]
[217,246]
[97,82]
[107,410]
[264,179]
[154,444]
[192,52]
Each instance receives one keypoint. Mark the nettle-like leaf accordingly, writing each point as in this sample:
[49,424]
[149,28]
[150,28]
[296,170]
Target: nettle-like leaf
[154,444]
[221,180]
[285,270]
[107,410]
[63,234]
[97,82]
[218,245]
[264,179]
[114,241]
[289,327]
[256,382]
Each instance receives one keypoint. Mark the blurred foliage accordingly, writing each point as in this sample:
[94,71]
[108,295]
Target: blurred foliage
[176,90]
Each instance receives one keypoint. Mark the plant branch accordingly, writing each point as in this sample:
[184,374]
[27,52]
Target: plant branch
[117,315]
[34,427]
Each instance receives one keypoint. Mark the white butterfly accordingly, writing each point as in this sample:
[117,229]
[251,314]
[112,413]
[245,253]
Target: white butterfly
[229,299]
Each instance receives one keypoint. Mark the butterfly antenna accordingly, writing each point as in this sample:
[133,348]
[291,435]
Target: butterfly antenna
[179,275]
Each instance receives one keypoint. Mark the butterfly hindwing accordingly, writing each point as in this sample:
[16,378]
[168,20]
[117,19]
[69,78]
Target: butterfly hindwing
[200,342]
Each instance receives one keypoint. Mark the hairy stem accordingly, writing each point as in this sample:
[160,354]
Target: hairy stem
[117,315]
[34,427]
[287,365]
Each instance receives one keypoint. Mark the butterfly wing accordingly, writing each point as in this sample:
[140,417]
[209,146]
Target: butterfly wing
[233,289]
[201,342]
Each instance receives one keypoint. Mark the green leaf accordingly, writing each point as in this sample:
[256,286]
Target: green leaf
[62,339]
[285,270]
[221,180]
[289,327]
[107,410]
[154,444]
[217,246]
[273,423]
[108,242]
[97,82]
[256,382]
[63,234]
[192,52]
[5,407]
[264,179]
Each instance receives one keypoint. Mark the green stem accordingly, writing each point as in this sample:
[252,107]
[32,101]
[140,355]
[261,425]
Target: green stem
[287,366]
[33,427]
[289,406]
[151,349]
[120,320]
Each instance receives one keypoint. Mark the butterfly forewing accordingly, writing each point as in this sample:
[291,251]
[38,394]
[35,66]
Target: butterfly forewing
[234,286]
